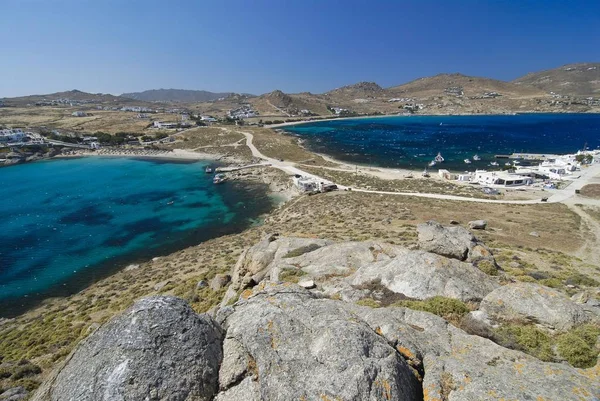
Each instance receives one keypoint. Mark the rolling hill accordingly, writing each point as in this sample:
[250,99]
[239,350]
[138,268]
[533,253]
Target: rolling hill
[572,79]
[176,95]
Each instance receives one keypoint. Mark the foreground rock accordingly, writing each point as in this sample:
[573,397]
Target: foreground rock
[275,255]
[286,344]
[159,349]
[422,275]
[534,303]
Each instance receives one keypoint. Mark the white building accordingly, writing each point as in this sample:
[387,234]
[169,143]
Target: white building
[208,119]
[163,125]
[501,178]
[12,135]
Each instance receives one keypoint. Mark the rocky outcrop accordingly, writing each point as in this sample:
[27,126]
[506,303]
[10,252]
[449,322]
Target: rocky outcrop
[256,263]
[422,275]
[159,349]
[14,394]
[453,242]
[534,303]
[284,343]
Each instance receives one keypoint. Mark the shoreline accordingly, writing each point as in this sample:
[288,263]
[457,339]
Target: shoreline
[414,115]
[264,199]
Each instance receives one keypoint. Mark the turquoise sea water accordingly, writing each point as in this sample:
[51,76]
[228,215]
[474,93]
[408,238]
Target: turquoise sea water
[413,141]
[67,223]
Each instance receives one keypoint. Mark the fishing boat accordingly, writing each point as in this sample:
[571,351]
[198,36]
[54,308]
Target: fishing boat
[432,163]
[476,158]
[208,170]
[494,164]
[507,164]
[219,179]
[426,173]
[467,161]
[439,158]
[170,203]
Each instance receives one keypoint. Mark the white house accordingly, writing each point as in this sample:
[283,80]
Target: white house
[501,178]
[12,135]
[163,125]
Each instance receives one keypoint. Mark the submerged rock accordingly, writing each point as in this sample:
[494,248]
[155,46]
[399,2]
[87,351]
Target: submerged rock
[159,349]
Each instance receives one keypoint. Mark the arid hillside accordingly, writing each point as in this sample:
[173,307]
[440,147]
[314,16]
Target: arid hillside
[571,79]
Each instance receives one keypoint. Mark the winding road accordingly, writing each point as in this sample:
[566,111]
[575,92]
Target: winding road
[564,195]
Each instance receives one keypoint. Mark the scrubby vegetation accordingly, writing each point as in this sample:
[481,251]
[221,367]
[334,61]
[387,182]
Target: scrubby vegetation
[448,308]
[302,250]
[576,346]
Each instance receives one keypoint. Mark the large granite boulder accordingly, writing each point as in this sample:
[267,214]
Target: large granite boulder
[159,349]
[459,366]
[534,303]
[421,275]
[284,343]
[452,242]
[255,263]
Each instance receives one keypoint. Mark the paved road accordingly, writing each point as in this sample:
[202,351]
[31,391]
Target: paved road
[560,195]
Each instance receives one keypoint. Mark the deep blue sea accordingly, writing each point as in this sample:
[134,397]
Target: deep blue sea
[413,141]
[67,223]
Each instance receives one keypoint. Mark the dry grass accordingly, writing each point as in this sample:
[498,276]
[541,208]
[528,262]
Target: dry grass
[282,146]
[422,185]
[591,191]
[60,118]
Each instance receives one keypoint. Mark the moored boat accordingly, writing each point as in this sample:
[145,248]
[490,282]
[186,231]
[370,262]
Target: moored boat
[467,161]
[208,170]
[219,179]
[476,158]
[439,158]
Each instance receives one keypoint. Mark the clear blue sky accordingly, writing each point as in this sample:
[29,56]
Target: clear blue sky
[256,46]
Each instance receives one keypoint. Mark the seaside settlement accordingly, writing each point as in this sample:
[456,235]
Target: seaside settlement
[366,282]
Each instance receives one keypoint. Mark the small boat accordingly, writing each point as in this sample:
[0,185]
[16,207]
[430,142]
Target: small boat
[507,164]
[476,158]
[426,173]
[208,170]
[467,161]
[439,158]
[219,179]
[170,203]
[432,163]
[494,164]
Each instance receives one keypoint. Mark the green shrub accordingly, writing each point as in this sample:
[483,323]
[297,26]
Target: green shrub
[578,346]
[487,267]
[441,306]
[291,275]
[581,279]
[25,371]
[302,250]
[370,302]
[528,339]
[576,351]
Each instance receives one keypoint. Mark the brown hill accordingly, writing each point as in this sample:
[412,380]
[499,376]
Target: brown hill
[73,96]
[361,89]
[454,84]
[571,79]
